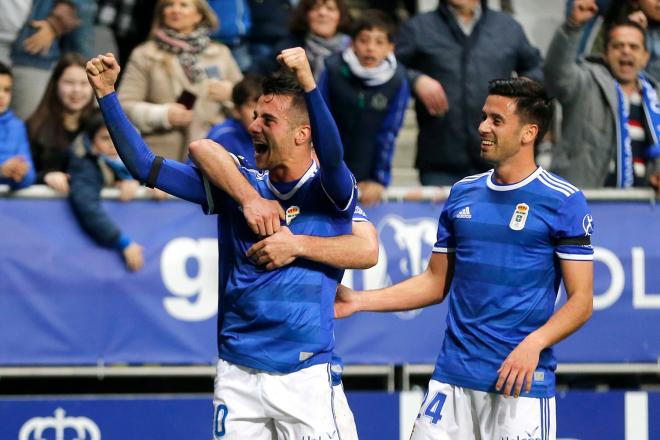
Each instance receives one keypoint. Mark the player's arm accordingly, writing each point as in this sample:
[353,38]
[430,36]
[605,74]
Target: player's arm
[429,287]
[519,366]
[263,216]
[337,179]
[358,250]
[173,177]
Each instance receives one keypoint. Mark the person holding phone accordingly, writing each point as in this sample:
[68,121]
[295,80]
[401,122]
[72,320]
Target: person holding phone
[178,84]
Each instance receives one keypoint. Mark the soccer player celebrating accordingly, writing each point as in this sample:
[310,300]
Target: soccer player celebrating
[505,240]
[275,327]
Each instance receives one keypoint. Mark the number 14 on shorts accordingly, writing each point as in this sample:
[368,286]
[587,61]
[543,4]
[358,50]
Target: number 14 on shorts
[433,408]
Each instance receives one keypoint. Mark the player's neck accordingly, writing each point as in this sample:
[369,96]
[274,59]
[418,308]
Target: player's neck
[510,172]
[289,172]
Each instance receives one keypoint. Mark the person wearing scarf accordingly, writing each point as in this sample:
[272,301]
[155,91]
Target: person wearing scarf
[367,92]
[610,111]
[177,85]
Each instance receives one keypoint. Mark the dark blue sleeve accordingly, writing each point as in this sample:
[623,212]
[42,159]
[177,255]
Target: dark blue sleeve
[336,178]
[324,87]
[23,149]
[386,136]
[176,178]
[85,200]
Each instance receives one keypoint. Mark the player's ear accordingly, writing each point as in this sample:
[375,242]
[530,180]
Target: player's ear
[529,133]
[303,134]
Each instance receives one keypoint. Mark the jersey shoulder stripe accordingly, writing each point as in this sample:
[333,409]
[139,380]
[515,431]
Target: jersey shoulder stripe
[554,186]
[473,177]
[559,181]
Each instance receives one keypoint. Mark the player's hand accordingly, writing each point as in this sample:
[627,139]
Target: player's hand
[432,95]
[519,367]
[58,180]
[582,12]
[262,215]
[102,73]
[370,192]
[178,115]
[41,40]
[127,189]
[275,251]
[346,302]
[219,90]
[296,60]
[133,255]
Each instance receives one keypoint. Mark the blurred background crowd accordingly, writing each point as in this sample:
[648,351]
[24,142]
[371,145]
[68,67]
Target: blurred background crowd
[191,69]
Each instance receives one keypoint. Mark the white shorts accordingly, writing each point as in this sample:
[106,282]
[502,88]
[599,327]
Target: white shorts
[260,405]
[453,412]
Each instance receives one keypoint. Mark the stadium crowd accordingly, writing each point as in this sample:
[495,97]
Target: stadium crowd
[184,80]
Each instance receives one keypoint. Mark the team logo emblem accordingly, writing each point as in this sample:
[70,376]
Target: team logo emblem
[379,101]
[519,217]
[36,427]
[588,225]
[291,213]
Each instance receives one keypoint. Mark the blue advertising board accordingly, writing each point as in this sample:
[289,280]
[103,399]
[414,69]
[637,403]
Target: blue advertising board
[581,415]
[70,302]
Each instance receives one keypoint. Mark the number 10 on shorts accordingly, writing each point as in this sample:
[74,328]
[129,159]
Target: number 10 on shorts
[434,407]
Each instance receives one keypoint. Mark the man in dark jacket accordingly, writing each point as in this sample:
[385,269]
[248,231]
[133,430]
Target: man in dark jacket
[451,54]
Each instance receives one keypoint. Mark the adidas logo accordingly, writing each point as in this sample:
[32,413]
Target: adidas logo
[464,213]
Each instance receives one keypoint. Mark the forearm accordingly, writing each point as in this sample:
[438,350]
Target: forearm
[361,254]
[427,288]
[570,317]
[221,169]
[335,175]
[560,68]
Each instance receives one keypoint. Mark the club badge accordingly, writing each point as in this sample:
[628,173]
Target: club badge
[519,217]
[291,213]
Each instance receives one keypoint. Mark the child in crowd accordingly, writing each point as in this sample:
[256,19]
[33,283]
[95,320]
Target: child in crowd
[95,164]
[232,133]
[367,92]
[16,168]
[58,119]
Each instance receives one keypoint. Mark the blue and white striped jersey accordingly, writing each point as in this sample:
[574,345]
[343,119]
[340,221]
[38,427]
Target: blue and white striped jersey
[281,320]
[508,240]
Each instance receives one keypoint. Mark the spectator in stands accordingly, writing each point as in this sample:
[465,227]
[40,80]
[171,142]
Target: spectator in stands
[235,24]
[270,19]
[58,119]
[95,164]
[648,16]
[176,84]
[317,27]
[16,168]
[451,54]
[232,134]
[610,108]
[367,93]
[11,20]
[36,50]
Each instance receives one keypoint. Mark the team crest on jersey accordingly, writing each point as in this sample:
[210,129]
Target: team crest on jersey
[519,217]
[291,213]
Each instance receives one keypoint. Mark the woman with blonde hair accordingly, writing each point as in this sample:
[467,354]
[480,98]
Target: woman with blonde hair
[177,84]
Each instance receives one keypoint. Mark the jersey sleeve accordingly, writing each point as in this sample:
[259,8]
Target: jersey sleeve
[359,215]
[573,229]
[445,241]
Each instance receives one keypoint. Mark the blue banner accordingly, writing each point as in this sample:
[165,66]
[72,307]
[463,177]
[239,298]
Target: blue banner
[581,415]
[69,302]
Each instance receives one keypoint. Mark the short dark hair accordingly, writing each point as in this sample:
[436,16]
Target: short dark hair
[373,19]
[285,83]
[4,69]
[624,23]
[246,90]
[532,103]
[299,25]
[93,124]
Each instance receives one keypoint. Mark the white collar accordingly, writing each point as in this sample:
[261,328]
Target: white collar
[311,171]
[501,187]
